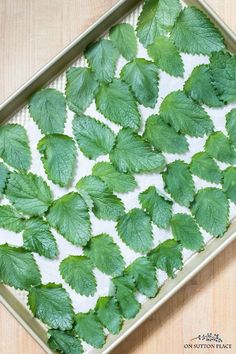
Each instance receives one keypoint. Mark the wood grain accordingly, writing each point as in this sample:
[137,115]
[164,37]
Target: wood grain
[32,32]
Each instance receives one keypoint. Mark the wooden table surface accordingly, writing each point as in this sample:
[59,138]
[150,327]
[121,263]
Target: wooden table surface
[32,32]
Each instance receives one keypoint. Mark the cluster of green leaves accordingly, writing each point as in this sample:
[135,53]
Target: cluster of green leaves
[166,30]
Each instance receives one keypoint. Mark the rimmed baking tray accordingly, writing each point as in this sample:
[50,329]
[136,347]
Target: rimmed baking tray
[13,104]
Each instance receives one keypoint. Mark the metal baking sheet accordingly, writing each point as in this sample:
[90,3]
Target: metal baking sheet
[15,111]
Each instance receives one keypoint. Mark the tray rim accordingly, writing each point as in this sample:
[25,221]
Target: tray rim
[41,78]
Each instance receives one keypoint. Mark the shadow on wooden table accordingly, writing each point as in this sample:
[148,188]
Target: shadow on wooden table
[154,326]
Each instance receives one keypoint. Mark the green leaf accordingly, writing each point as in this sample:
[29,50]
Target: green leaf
[116,102]
[90,329]
[166,56]
[143,78]
[51,304]
[179,182]
[105,254]
[125,295]
[77,271]
[186,230]
[211,210]
[194,33]
[64,342]
[135,229]
[18,268]
[167,256]
[223,74]
[229,183]
[80,88]
[109,314]
[48,109]
[200,88]
[102,57]
[105,205]
[93,137]
[58,156]
[133,154]
[4,174]
[163,137]
[156,18]
[144,273]
[231,126]
[203,166]
[123,38]
[116,181]
[185,115]
[38,238]
[69,215]
[159,208]
[29,193]
[14,146]
[10,219]
[219,147]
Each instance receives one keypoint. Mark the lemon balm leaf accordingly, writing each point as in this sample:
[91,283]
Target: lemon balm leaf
[156,18]
[200,88]
[69,215]
[185,115]
[194,33]
[14,146]
[81,86]
[105,255]
[51,304]
[93,137]
[144,273]
[167,256]
[211,210]
[77,271]
[18,268]
[135,230]
[64,342]
[159,208]
[143,78]
[116,181]
[29,193]
[125,296]
[102,57]
[223,73]
[163,137]
[166,56]
[220,148]
[11,219]
[186,230]
[58,154]
[203,166]
[117,103]
[90,329]
[48,109]
[37,237]
[109,314]
[105,205]
[132,153]
[123,38]
[179,182]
